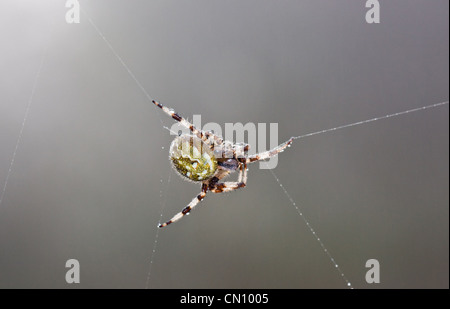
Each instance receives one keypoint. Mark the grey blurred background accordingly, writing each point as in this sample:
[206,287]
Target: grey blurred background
[91,178]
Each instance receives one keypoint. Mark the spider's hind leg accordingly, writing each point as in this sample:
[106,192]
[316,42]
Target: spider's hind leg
[188,208]
[231,185]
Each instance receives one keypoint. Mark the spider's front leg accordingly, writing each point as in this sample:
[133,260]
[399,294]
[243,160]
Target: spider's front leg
[189,207]
[207,137]
[270,153]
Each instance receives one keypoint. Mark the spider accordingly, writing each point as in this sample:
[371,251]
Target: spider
[205,157]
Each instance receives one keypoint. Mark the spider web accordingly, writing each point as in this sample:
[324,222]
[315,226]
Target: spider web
[163,197]
[164,188]
[22,127]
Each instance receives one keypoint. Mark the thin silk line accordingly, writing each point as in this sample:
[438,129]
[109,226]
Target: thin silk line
[19,139]
[149,97]
[163,199]
[327,252]
[121,61]
[277,179]
[372,120]
[311,229]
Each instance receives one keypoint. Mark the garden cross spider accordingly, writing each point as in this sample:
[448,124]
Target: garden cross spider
[207,158]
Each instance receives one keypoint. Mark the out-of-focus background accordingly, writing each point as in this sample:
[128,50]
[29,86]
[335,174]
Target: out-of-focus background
[91,179]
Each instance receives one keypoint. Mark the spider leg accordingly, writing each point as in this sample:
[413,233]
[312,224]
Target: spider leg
[270,153]
[204,136]
[180,119]
[215,187]
[188,208]
[231,185]
[243,173]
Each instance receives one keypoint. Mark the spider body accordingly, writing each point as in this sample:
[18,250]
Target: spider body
[192,158]
[207,158]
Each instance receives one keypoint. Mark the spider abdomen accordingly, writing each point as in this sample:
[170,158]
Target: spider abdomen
[192,158]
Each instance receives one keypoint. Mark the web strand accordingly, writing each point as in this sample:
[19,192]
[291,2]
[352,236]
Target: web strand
[372,120]
[124,65]
[331,258]
[297,208]
[311,229]
[150,99]
[163,199]
[27,111]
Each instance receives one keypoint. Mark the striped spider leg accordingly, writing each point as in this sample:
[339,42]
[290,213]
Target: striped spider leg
[270,153]
[204,136]
[213,186]
[205,157]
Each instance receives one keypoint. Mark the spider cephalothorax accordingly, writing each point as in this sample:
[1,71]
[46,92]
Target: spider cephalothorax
[205,157]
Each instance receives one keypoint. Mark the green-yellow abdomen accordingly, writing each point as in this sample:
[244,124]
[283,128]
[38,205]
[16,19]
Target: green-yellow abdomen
[192,158]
